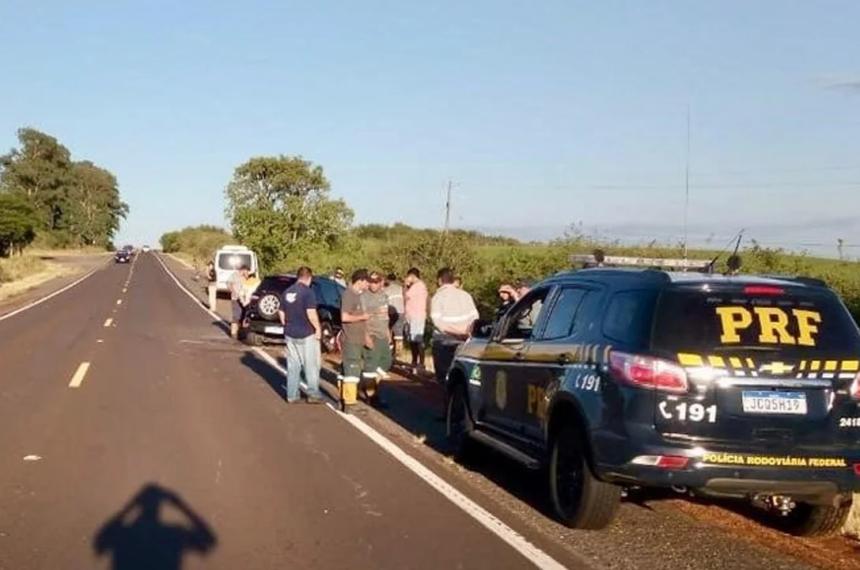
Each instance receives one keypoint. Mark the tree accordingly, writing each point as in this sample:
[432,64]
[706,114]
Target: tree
[94,208]
[17,224]
[41,172]
[280,206]
[75,203]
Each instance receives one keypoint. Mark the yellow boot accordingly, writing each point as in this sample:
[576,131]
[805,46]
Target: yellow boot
[349,391]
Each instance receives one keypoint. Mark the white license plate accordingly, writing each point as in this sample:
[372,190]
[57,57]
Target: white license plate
[273,329]
[763,402]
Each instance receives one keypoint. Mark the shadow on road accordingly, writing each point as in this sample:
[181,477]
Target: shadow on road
[264,370]
[138,538]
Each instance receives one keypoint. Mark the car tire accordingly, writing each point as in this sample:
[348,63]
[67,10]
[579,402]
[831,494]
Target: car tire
[580,499]
[458,421]
[327,342]
[268,306]
[815,520]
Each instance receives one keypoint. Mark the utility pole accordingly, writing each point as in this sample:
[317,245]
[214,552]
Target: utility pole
[687,185]
[448,209]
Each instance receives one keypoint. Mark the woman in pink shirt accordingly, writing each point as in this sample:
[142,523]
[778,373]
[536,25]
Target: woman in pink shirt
[415,310]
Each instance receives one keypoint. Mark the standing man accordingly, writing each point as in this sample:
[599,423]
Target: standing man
[377,352]
[453,312]
[415,308]
[354,319]
[394,291]
[236,283]
[302,333]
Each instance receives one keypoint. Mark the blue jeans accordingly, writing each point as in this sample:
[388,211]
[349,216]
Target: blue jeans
[303,355]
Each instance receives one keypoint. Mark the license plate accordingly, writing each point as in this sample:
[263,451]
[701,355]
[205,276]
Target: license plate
[774,403]
[271,329]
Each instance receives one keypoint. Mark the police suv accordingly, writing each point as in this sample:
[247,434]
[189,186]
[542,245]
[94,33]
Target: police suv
[721,386]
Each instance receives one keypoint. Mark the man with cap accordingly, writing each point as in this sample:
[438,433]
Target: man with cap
[355,338]
[377,352]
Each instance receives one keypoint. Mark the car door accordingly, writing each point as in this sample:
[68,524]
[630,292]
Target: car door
[560,351]
[504,383]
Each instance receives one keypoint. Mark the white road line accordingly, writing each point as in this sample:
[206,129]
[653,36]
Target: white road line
[492,523]
[514,539]
[78,378]
[108,322]
[46,297]
[194,298]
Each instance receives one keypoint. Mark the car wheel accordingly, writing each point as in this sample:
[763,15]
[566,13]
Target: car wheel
[328,337]
[815,520]
[458,422]
[580,499]
[268,306]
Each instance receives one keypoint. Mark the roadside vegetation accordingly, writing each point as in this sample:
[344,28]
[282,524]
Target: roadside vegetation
[20,266]
[281,207]
[197,244]
[51,201]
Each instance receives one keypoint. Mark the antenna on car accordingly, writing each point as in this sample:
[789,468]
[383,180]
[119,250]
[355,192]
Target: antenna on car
[734,256]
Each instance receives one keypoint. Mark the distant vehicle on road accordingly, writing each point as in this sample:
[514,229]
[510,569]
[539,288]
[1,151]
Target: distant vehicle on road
[145,249]
[122,256]
[230,258]
[261,319]
[129,249]
[723,386]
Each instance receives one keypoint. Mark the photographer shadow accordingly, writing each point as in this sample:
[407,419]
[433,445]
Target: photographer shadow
[137,537]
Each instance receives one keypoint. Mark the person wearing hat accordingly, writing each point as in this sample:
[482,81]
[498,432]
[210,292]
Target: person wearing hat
[377,354]
[354,319]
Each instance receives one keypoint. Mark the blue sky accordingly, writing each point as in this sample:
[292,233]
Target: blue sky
[543,113]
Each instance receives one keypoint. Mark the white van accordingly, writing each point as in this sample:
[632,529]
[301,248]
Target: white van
[230,258]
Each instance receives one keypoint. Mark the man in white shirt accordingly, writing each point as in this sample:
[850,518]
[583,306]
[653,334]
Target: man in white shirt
[454,313]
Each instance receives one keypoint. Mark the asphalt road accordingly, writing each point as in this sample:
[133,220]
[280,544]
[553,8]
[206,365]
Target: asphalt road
[135,434]
[173,451]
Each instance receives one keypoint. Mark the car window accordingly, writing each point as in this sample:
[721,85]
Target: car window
[628,317]
[523,317]
[232,261]
[324,293]
[587,320]
[561,318]
[789,323]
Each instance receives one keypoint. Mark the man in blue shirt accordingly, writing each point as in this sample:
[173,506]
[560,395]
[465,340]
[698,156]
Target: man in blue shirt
[298,314]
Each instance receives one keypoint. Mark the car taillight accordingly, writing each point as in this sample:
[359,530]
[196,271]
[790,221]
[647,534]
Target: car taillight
[668,462]
[648,372]
[854,389]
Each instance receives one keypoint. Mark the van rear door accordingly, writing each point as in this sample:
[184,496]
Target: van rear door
[770,365]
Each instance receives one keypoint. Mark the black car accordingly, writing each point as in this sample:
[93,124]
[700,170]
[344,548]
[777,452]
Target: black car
[122,256]
[261,318]
[721,386]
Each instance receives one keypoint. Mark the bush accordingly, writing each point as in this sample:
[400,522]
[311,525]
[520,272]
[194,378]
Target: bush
[199,242]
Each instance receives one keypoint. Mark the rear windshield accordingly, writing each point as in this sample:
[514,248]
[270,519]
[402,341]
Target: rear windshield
[233,261]
[794,322]
[276,282]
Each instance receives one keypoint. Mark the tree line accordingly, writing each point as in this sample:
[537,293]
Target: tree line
[47,196]
[280,206]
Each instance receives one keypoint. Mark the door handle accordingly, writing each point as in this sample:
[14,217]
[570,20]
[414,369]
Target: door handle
[564,359]
[519,356]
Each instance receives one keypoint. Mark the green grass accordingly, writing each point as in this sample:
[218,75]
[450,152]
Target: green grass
[20,266]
